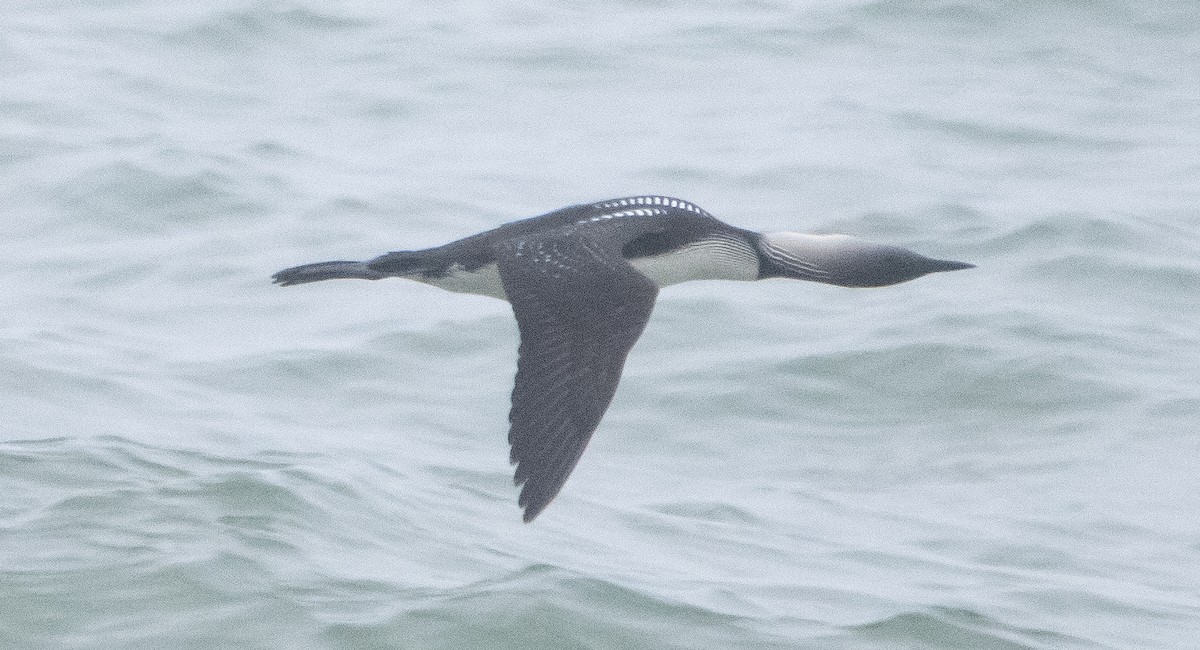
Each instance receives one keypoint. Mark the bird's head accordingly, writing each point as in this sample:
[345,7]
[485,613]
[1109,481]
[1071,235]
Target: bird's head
[843,260]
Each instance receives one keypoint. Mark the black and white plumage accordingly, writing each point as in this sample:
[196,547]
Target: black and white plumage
[582,282]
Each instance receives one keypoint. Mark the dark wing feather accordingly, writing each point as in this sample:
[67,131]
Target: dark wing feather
[580,307]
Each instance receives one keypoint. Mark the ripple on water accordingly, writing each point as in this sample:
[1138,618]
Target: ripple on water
[260,22]
[126,197]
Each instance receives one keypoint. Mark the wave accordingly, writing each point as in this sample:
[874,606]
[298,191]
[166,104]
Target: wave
[941,627]
[543,606]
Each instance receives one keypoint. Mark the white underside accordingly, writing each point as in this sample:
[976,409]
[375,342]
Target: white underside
[704,260]
[484,281]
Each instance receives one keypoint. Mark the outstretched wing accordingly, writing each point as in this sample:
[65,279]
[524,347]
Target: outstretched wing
[580,307]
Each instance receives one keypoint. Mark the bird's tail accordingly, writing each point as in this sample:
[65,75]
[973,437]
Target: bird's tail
[325,271]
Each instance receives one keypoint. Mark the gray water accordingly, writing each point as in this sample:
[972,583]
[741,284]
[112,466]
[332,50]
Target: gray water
[1006,457]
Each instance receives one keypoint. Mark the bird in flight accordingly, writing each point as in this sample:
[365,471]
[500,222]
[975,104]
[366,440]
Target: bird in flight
[582,281]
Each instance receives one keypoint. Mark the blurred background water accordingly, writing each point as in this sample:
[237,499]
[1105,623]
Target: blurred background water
[1001,458]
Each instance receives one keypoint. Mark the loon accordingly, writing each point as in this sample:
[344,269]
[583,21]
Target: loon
[582,281]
